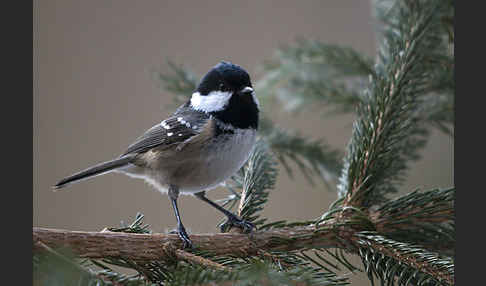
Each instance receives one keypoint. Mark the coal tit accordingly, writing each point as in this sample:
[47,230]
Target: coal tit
[207,140]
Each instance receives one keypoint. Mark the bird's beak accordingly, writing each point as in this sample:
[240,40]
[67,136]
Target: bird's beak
[246,90]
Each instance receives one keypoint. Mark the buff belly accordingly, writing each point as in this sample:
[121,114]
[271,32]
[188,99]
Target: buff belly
[197,170]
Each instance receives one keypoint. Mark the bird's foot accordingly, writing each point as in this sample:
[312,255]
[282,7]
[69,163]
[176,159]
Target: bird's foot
[181,231]
[233,220]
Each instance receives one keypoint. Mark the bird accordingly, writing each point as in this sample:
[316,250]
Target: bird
[202,144]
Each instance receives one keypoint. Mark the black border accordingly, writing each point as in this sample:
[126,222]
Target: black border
[17,141]
[469,118]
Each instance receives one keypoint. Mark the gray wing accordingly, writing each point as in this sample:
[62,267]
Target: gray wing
[178,128]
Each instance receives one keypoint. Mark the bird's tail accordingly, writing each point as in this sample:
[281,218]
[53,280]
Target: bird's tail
[95,170]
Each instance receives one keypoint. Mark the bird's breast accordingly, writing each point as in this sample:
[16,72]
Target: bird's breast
[220,158]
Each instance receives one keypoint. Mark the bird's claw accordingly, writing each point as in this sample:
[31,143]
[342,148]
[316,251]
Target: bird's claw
[246,226]
[181,231]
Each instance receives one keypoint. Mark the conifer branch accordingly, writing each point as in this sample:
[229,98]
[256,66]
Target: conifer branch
[40,245]
[389,260]
[256,272]
[425,219]
[333,232]
[259,177]
[63,262]
[180,81]
[149,247]
[312,74]
[138,249]
[313,157]
[195,259]
[388,131]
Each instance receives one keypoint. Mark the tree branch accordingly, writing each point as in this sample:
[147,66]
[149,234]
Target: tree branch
[389,130]
[343,232]
[149,247]
[331,233]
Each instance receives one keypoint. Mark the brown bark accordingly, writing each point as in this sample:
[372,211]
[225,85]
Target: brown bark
[147,247]
[333,233]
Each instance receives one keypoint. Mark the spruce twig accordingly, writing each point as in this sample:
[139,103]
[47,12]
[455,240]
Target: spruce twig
[389,260]
[388,131]
[179,81]
[426,219]
[299,75]
[195,259]
[313,157]
[259,177]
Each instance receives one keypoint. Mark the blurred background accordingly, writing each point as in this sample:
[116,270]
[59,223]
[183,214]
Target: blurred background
[94,93]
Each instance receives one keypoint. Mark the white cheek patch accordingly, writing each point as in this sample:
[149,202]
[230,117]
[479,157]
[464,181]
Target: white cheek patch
[214,101]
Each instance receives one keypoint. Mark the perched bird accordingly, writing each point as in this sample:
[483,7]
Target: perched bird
[207,140]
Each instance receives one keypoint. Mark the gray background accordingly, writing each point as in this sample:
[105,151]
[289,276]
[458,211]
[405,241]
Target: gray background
[94,94]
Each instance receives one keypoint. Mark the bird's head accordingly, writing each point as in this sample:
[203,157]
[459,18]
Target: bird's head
[226,92]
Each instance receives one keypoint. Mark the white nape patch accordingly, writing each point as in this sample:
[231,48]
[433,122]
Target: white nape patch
[170,134]
[247,89]
[255,99]
[214,101]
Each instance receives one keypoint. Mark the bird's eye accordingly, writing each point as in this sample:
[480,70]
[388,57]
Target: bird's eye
[223,87]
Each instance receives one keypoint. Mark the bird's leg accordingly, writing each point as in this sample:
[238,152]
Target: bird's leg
[181,231]
[233,219]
